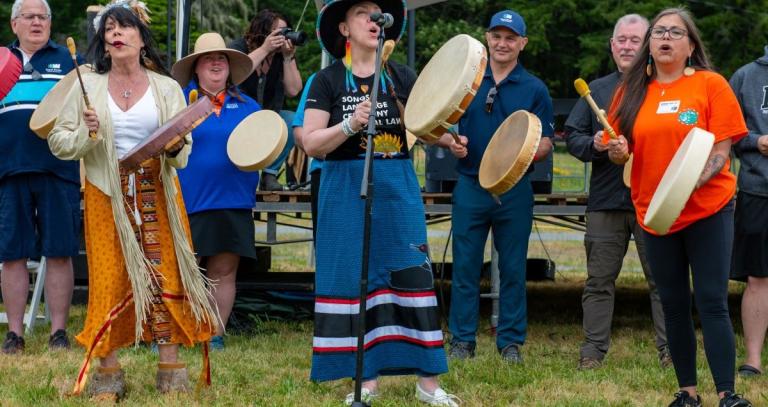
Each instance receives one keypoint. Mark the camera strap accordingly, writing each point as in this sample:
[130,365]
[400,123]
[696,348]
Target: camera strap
[260,89]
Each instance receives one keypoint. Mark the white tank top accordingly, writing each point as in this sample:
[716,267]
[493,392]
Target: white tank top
[136,124]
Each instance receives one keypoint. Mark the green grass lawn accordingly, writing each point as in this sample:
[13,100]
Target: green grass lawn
[268,365]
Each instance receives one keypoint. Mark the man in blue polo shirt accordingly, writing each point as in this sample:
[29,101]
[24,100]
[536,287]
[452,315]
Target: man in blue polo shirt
[39,194]
[506,88]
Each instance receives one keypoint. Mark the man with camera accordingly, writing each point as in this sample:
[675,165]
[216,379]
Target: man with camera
[271,44]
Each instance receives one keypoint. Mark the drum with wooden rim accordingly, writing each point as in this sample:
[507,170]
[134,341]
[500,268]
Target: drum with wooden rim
[626,173]
[44,117]
[510,152]
[679,180]
[168,134]
[445,87]
[257,141]
[10,71]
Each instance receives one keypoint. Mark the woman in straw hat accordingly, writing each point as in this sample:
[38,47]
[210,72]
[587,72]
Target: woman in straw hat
[404,334]
[218,196]
[144,282]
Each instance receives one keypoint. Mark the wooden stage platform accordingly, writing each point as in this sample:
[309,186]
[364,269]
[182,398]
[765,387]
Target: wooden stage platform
[565,210]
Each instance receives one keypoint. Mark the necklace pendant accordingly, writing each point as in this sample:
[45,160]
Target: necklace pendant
[127,93]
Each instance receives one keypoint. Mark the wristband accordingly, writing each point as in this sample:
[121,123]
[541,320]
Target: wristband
[346,127]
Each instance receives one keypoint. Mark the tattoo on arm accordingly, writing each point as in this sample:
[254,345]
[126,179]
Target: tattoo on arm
[713,166]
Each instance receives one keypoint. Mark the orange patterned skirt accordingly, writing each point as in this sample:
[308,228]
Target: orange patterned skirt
[110,322]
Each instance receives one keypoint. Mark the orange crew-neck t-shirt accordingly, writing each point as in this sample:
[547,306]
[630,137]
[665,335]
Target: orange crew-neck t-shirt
[669,112]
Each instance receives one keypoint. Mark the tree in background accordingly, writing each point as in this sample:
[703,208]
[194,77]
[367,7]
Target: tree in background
[68,20]
[568,38]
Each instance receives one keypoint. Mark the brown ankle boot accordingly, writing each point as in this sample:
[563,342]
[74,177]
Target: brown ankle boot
[172,377]
[107,384]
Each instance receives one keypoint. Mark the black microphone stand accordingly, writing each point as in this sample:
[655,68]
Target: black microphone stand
[366,192]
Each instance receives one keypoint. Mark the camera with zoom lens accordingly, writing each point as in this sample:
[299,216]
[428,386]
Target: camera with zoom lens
[298,38]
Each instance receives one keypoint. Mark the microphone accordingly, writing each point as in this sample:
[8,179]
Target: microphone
[383,20]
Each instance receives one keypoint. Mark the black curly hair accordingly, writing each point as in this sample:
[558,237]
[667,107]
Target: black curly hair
[261,27]
[97,54]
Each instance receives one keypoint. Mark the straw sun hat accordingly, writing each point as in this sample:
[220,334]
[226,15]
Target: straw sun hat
[240,65]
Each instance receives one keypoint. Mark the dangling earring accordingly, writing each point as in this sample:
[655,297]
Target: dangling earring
[649,67]
[350,80]
[147,61]
[689,70]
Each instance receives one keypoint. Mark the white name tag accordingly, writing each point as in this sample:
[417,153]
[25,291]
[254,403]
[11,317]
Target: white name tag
[670,106]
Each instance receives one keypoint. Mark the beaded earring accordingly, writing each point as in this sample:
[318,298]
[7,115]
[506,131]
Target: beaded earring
[649,67]
[689,69]
[350,80]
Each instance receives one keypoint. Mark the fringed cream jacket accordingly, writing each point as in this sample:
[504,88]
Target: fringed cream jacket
[69,140]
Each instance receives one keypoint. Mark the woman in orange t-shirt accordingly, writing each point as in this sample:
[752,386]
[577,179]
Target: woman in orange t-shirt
[669,90]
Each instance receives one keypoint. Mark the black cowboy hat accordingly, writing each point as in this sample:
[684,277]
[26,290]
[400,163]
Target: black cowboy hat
[334,13]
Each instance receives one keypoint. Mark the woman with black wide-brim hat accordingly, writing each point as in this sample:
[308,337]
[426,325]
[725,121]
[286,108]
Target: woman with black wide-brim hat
[403,335]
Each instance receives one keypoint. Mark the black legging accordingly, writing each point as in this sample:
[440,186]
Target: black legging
[706,247]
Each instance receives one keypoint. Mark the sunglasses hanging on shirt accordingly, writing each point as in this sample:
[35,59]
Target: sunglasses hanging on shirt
[31,71]
[490,98]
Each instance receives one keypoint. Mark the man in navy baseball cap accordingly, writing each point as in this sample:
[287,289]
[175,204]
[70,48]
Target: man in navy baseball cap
[508,19]
[506,87]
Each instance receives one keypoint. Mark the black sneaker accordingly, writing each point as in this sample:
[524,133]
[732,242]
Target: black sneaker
[58,340]
[588,363]
[461,350]
[511,353]
[13,344]
[734,400]
[683,399]
[269,182]
[665,358]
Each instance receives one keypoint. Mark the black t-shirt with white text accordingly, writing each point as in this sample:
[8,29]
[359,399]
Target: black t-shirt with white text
[329,93]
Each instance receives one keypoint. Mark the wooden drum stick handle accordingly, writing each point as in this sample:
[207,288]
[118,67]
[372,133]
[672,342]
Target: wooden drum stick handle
[455,135]
[583,89]
[73,53]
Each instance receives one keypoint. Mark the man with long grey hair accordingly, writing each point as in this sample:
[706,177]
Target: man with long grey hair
[39,194]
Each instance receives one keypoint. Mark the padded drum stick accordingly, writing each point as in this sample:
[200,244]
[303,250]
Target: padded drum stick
[583,89]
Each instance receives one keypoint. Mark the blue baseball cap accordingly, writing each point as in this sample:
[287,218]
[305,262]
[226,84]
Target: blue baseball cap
[508,19]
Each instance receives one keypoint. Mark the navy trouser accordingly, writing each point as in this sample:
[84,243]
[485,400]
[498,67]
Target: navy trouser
[39,216]
[705,246]
[475,213]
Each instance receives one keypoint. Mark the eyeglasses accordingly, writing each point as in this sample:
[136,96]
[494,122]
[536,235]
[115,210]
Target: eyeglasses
[490,98]
[675,33]
[29,69]
[31,16]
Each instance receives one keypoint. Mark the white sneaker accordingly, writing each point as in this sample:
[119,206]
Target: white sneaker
[438,398]
[366,396]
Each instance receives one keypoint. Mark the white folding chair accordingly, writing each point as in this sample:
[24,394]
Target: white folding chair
[32,316]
